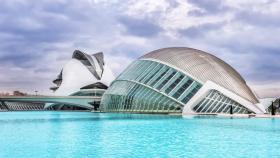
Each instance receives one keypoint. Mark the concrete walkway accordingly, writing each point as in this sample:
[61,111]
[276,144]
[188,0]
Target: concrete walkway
[234,115]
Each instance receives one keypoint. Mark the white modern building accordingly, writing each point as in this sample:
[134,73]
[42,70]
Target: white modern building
[83,75]
[180,80]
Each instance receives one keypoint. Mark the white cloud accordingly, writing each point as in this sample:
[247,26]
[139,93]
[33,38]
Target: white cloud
[51,30]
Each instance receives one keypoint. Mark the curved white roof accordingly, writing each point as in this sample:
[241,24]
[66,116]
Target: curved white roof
[203,67]
[94,63]
[82,70]
[75,75]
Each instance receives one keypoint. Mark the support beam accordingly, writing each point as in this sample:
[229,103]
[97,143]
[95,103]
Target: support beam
[3,104]
[272,109]
[231,110]
[79,101]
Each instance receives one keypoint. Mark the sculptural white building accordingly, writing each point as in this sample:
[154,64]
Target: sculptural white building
[180,80]
[81,71]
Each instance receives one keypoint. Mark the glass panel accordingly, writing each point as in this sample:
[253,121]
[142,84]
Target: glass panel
[214,110]
[142,69]
[133,73]
[190,95]
[203,105]
[216,98]
[152,74]
[161,74]
[182,89]
[196,107]
[174,84]
[220,109]
[165,80]
[127,70]
[144,75]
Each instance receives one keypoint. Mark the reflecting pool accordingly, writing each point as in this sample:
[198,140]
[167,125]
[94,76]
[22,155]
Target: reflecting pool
[84,134]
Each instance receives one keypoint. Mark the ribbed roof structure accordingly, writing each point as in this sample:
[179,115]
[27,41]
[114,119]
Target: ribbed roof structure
[203,67]
[97,85]
[88,61]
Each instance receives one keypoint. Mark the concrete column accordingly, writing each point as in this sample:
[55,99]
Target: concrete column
[272,109]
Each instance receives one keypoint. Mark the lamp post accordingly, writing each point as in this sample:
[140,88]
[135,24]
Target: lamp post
[36,92]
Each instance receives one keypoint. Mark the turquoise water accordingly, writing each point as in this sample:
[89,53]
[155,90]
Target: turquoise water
[82,134]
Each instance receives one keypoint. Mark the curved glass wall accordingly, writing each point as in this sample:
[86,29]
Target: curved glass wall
[149,86]
[93,92]
[215,102]
[131,97]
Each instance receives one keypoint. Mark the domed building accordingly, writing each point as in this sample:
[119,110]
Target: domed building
[180,80]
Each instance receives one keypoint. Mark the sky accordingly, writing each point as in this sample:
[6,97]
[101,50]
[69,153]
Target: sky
[38,37]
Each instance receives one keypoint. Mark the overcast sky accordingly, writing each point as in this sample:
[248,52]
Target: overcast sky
[38,37]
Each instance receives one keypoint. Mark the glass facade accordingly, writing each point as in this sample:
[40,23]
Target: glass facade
[149,87]
[215,102]
[93,92]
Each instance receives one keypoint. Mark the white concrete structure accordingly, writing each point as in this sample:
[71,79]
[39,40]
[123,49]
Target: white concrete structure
[82,70]
[180,80]
[79,101]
